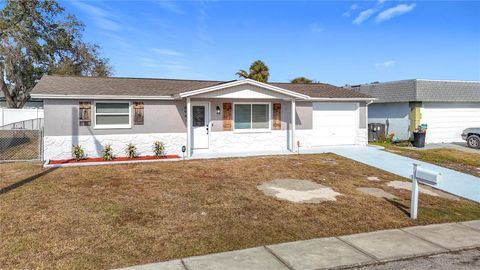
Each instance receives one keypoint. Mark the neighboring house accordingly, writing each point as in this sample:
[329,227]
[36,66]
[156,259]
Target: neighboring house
[447,107]
[204,116]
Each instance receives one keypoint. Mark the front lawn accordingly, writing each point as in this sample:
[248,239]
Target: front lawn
[114,216]
[461,161]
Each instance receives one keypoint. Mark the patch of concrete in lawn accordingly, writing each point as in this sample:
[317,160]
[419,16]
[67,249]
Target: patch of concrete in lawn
[426,190]
[373,178]
[298,191]
[408,186]
[377,192]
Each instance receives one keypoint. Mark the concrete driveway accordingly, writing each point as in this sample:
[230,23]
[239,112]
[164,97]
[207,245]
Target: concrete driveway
[461,146]
[461,184]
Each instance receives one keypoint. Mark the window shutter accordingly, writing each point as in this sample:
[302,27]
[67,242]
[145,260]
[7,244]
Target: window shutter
[138,118]
[85,114]
[227,116]
[277,116]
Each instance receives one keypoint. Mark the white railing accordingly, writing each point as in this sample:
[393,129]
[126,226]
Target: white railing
[9,116]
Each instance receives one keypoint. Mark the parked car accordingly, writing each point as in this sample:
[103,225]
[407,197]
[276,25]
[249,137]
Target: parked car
[472,136]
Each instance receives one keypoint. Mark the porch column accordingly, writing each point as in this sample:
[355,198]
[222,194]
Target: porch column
[293,125]
[189,127]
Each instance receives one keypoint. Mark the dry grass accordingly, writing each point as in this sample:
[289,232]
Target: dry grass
[114,216]
[461,161]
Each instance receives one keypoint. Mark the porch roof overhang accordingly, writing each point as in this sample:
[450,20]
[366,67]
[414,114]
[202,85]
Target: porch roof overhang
[272,88]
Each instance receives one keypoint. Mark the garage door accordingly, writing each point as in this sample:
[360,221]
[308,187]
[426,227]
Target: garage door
[446,121]
[334,123]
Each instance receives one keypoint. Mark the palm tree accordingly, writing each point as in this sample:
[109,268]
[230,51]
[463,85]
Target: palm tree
[301,80]
[258,71]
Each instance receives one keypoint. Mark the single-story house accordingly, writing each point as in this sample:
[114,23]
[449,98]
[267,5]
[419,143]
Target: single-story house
[447,107]
[203,116]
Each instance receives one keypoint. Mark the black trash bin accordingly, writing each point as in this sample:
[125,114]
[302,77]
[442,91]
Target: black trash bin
[419,139]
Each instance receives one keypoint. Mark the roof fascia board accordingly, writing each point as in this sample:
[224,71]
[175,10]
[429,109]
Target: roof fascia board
[460,81]
[54,96]
[241,82]
[342,99]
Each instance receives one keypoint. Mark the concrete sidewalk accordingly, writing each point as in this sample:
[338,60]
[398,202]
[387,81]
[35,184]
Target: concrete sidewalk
[338,252]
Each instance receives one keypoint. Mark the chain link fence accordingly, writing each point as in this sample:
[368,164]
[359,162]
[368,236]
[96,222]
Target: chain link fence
[21,141]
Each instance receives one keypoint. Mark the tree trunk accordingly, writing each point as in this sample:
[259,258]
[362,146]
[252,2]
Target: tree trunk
[8,97]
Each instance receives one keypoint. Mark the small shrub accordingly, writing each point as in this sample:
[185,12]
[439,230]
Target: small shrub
[382,138]
[159,149]
[77,152]
[390,138]
[107,152]
[131,150]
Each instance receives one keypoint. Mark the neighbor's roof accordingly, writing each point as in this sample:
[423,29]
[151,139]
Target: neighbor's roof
[114,86]
[422,90]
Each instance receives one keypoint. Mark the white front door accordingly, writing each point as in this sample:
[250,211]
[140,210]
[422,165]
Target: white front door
[200,125]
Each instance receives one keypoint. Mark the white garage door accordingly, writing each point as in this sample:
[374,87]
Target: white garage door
[334,123]
[446,121]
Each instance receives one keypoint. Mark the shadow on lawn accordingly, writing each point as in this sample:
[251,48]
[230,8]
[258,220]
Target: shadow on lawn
[402,207]
[25,181]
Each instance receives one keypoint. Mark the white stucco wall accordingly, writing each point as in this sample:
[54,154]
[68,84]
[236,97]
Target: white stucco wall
[60,147]
[230,141]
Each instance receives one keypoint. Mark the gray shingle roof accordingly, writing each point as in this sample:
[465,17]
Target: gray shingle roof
[423,90]
[91,86]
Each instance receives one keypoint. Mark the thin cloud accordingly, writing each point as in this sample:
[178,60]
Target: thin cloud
[393,12]
[167,65]
[170,6]
[352,8]
[385,64]
[364,15]
[104,19]
[316,28]
[203,34]
[168,52]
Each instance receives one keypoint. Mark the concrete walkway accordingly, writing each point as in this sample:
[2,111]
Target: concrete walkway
[461,184]
[338,252]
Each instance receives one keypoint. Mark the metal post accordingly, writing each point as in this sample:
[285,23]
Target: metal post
[414,199]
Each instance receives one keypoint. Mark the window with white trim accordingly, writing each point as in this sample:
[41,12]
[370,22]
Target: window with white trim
[112,115]
[255,116]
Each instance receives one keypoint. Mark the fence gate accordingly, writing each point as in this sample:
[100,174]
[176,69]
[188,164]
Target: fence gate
[21,140]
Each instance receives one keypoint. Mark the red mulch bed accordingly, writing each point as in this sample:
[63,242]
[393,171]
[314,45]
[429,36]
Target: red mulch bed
[88,160]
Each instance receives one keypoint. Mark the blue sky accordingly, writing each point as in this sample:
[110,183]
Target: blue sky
[336,42]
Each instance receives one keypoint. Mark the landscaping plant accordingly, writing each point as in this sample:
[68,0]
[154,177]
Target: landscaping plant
[107,152]
[131,151]
[159,149]
[78,152]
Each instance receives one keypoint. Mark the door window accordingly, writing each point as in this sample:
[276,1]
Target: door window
[198,116]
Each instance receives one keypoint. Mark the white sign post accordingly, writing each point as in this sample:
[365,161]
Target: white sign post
[423,176]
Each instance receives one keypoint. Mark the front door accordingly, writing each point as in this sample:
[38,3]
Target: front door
[200,125]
